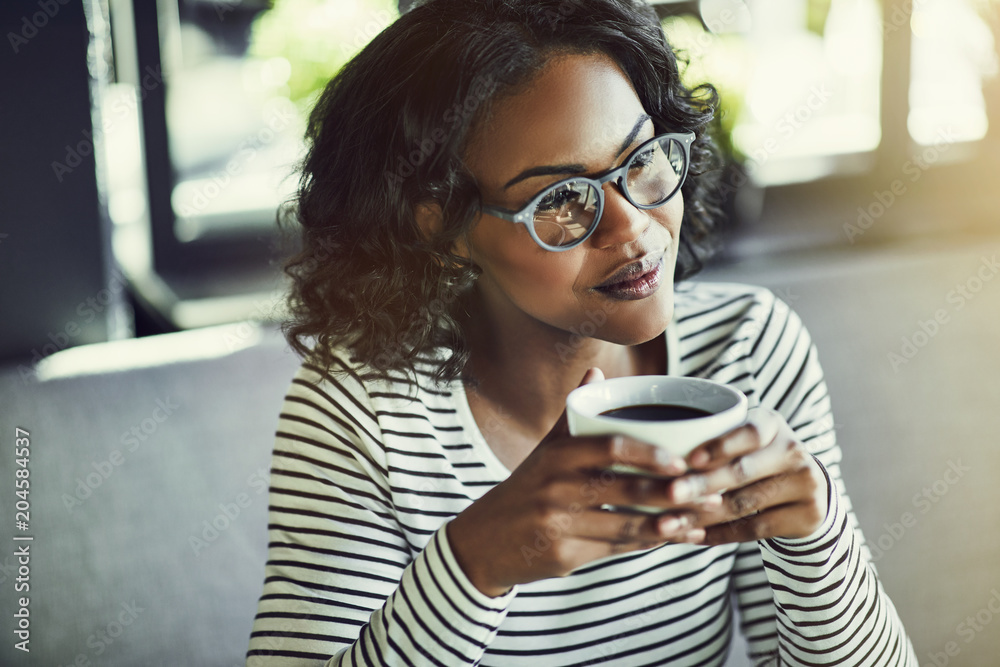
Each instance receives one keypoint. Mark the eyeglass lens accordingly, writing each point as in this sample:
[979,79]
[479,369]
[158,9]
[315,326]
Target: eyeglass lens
[569,210]
[654,172]
[566,213]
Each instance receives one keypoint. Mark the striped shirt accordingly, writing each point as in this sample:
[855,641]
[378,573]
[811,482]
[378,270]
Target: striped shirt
[367,473]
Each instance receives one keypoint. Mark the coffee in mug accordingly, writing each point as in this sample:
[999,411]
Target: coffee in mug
[651,412]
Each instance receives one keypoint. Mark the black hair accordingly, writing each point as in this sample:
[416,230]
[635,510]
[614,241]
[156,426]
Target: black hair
[388,135]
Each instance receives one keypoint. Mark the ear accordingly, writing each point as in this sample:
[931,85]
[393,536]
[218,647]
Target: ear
[430,220]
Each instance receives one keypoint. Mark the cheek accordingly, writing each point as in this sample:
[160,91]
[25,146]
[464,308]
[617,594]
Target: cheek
[534,279]
[502,248]
[670,215]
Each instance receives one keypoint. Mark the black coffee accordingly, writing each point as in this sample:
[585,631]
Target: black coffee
[656,412]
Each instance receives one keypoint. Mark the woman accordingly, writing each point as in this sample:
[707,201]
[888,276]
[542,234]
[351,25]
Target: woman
[496,198]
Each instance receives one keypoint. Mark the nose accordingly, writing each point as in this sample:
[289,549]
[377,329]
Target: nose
[620,222]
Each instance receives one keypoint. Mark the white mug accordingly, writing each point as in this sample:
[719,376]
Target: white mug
[727,407]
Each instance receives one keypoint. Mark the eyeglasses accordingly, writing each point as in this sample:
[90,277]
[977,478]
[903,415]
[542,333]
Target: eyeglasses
[563,215]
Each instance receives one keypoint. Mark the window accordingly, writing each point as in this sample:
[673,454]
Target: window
[800,81]
[953,54]
[209,100]
[206,105]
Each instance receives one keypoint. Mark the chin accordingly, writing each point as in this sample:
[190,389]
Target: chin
[637,322]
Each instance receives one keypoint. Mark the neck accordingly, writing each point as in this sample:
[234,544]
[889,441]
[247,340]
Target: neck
[527,367]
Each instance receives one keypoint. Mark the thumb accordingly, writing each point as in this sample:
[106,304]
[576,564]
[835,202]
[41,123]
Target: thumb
[593,374]
[561,427]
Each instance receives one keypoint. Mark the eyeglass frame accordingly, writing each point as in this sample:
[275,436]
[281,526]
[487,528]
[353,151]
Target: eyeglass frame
[525,215]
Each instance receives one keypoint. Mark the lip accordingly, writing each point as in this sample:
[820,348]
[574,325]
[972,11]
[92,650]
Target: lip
[635,280]
[633,270]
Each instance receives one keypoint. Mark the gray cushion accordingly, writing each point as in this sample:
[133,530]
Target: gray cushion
[129,545]
[904,426]
[117,574]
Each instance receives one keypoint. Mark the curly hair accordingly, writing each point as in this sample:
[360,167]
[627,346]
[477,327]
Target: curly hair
[388,135]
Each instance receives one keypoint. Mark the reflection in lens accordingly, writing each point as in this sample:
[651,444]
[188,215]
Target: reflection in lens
[655,171]
[565,213]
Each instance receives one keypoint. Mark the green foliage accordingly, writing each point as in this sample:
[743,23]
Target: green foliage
[317,37]
[722,60]
[816,13]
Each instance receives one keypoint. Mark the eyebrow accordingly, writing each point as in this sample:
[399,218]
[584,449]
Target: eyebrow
[549,170]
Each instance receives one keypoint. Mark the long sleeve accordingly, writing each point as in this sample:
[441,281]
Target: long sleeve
[365,477]
[344,582]
[828,606]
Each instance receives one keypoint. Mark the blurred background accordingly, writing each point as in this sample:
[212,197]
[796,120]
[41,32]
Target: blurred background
[146,144]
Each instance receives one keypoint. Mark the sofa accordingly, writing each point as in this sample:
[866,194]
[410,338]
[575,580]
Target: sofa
[148,476]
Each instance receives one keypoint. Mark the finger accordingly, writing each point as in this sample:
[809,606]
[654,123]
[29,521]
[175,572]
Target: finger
[772,491]
[738,472]
[622,525]
[617,489]
[610,488]
[606,487]
[604,451]
[781,521]
[615,526]
[761,428]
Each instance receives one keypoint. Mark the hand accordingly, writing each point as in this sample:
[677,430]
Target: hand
[546,520]
[770,485]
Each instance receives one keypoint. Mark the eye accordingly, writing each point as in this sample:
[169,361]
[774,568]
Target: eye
[557,199]
[643,159]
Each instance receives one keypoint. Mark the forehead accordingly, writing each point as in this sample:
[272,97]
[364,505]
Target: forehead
[577,110]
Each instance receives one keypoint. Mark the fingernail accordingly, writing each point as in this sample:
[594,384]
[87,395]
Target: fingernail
[682,490]
[699,458]
[731,446]
[669,526]
[714,500]
[696,535]
[663,457]
[670,462]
